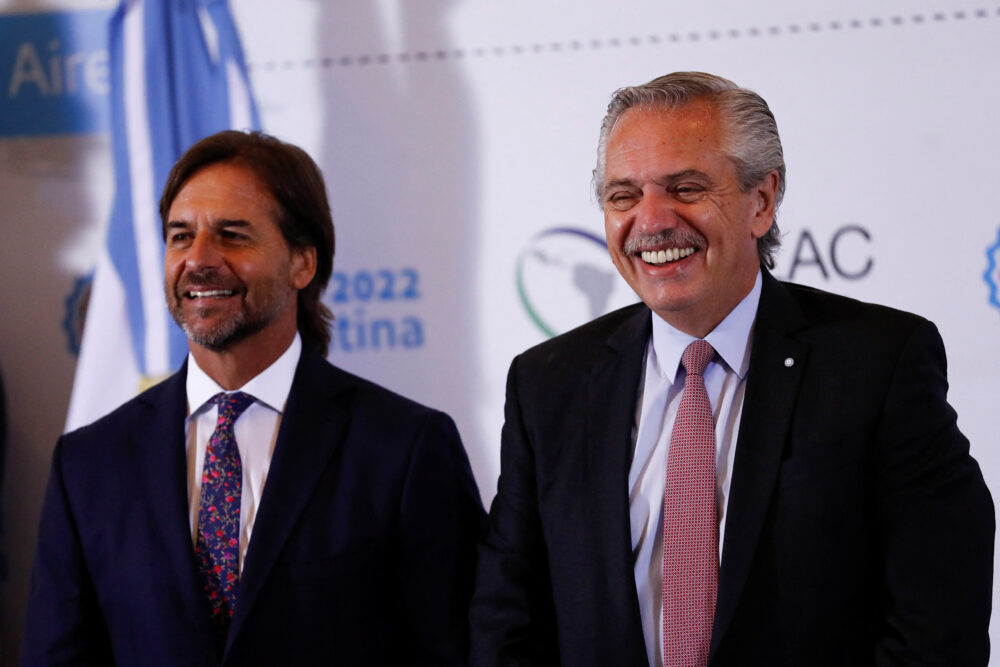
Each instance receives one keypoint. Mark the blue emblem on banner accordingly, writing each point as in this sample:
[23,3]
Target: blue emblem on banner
[564,278]
[76,312]
[55,73]
[992,274]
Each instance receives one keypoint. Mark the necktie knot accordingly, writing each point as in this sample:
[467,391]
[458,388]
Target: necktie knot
[231,406]
[697,357]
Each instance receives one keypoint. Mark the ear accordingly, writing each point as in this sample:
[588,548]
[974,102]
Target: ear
[303,266]
[765,193]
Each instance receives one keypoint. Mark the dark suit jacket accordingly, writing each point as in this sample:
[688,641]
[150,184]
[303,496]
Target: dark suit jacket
[859,530]
[362,552]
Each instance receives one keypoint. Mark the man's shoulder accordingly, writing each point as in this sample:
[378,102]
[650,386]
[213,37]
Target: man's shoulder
[135,418]
[623,331]
[622,325]
[135,408]
[365,397]
[828,310]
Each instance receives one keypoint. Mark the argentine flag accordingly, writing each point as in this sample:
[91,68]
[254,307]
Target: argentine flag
[177,75]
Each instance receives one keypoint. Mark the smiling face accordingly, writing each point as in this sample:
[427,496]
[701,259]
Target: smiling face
[229,274]
[679,229]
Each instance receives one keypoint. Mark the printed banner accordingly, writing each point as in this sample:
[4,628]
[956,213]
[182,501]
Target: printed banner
[54,68]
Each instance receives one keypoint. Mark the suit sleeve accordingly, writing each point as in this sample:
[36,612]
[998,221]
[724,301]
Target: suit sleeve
[64,624]
[937,520]
[513,614]
[442,519]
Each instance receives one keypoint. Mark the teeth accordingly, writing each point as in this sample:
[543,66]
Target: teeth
[664,256]
[209,293]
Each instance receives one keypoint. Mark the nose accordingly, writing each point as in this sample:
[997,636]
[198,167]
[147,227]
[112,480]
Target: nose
[202,252]
[655,211]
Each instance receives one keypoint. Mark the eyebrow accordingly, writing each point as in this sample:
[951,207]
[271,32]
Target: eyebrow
[688,173]
[230,223]
[220,224]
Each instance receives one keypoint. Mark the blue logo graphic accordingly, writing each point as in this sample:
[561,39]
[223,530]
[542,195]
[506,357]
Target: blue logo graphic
[565,278]
[376,310]
[992,274]
[54,70]
[76,312]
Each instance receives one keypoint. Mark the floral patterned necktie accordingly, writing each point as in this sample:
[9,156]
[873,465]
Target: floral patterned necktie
[690,521]
[218,542]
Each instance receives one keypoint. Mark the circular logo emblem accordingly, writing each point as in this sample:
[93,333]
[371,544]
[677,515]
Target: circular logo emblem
[565,279]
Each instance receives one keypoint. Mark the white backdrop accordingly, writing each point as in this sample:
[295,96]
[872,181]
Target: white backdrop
[457,140]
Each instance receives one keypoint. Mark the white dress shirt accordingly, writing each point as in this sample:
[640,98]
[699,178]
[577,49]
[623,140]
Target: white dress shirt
[660,390]
[256,431]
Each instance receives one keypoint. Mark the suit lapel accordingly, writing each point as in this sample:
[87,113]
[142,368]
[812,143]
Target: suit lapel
[158,442]
[311,429]
[772,388]
[614,384]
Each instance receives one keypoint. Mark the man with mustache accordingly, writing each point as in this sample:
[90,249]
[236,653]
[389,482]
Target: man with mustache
[736,471]
[259,507]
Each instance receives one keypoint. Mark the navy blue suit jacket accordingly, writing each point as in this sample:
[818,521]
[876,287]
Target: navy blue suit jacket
[859,531]
[362,552]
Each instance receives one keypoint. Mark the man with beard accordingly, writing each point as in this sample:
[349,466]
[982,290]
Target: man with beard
[260,506]
[736,471]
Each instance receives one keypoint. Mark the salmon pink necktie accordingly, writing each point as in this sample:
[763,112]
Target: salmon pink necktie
[218,543]
[690,521]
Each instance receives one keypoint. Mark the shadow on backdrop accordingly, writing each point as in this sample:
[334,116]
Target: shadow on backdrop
[401,161]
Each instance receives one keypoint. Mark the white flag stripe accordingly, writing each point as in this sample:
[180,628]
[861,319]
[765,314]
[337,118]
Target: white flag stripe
[209,33]
[240,101]
[105,352]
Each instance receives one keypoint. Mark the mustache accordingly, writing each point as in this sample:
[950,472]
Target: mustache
[663,239]
[205,277]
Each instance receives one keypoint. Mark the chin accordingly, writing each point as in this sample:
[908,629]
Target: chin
[667,300]
[216,337]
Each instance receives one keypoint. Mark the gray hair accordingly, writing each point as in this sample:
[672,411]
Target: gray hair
[752,141]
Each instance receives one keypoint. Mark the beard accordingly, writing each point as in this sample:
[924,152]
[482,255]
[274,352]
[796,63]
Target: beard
[257,309]
[219,337]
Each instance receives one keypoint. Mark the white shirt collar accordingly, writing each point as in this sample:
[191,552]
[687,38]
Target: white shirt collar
[270,387]
[731,338]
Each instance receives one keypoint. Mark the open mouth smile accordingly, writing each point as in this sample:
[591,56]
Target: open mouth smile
[209,294]
[665,256]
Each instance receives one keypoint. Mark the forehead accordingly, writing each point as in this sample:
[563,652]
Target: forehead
[673,139]
[223,190]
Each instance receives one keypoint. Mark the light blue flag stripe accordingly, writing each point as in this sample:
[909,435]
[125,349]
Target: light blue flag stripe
[188,50]
[121,240]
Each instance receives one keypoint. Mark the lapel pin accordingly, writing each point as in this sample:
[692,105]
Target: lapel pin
[789,362]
